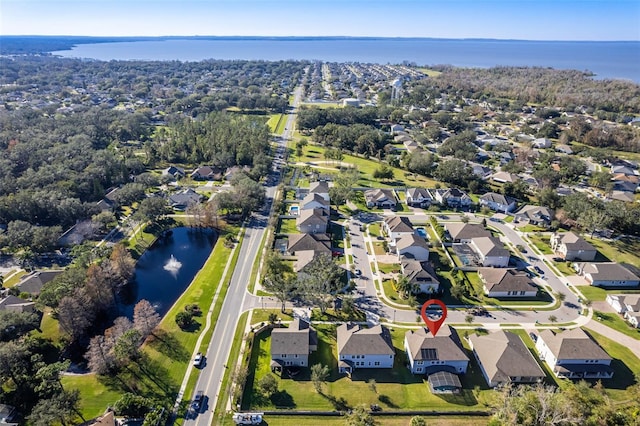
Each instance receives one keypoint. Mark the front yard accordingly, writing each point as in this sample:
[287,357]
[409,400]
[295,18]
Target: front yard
[396,389]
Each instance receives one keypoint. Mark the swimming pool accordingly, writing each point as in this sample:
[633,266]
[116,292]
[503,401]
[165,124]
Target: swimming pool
[421,232]
[294,209]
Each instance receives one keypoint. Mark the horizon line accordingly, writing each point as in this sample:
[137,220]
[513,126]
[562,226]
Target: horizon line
[312,37]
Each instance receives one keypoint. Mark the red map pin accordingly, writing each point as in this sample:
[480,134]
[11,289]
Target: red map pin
[432,325]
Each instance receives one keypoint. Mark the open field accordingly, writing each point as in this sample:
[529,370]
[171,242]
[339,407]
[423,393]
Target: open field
[616,322]
[380,420]
[621,251]
[596,294]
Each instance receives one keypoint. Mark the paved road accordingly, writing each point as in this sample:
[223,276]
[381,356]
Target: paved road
[212,373]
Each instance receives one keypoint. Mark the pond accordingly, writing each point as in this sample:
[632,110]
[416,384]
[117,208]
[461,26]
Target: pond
[167,268]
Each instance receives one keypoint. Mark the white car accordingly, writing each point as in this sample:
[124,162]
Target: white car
[198,360]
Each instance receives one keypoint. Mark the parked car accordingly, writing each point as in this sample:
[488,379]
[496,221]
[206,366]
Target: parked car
[358,272]
[538,270]
[533,336]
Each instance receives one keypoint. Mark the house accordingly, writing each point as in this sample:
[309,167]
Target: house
[397,226]
[33,282]
[571,247]
[15,304]
[490,251]
[504,177]
[504,358]
[481,171]
[291,346]
[380,198]
[206,173]
[541,143]
[395,128]
[421,276]
[535,215]
[622,169]
[174,172]
[418,197]
[625,196]
[411,146]
[565,149]
[627,183]
[360,347]
[622,303]
[633,318]
[465,232]
[312,221]
[9,415]
[321,188]
[109,202]
[183,199]
[233,171]
[453,197]
[573,354]
[314,201]
[412,246]
[319,243]
[501,283]
[607,274]
[428,354]
[498,202]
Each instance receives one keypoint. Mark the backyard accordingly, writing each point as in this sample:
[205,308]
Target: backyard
[395,389]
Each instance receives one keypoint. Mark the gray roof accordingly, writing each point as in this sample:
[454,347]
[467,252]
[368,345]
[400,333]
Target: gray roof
[398,223]
[609,271]
[379,195]
[504,177]
[573,344]
[355,340]
[499,279]
[497,198]
[185,198]
[33,282]
[311,216]
[411,240]
[293,340]
[314,196]
[574,242]
[319,187]
[320,242]
[418,272]
[419,193]
[423,346]
[535,212]
[503,355]
[490,246]
[632,300]
[466,231]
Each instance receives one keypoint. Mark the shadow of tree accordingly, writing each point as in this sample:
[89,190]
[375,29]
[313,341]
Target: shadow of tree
[168,345]
[283,399]
[387,401]
[339,404]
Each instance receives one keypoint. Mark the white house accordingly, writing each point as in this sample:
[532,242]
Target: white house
[607,274]
[572,354]
[381,198]
[418,197]
[571,247]
[452,197]
[360,347]
[490,251]
[428,354]
[412,246]
[622,303]
[498,202]
[505,283]
[397,226]
[314,201]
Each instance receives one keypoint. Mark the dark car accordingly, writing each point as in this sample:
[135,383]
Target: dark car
[538,270]
[533,336]
[198,399]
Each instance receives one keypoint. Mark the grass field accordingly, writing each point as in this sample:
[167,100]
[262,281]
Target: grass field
[286,226]
[616,322]
[395,389]
[596,294]
[15,278]
[621,251]
[274,123]
[541,243]
[167,353]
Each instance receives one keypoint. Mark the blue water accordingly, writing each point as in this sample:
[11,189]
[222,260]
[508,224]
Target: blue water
[421,232]
[162,287]
[605,59]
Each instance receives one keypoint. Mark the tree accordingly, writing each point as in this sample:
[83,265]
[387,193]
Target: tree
[99,355]
[152,208]
[61,407]
[405,287]
[319,375]
[268,385]
[320,280]
[553,318]
[127,347]
[16,324]
[454,171]
[75,314]
[184,320]
[132,405]
[420,162]
[517,189]
[145,317]
[49,377]
[360,416]
[384,172]
[282,286]
[371,383]
[418,421]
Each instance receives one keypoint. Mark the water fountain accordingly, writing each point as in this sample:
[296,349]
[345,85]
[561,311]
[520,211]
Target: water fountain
[173,265]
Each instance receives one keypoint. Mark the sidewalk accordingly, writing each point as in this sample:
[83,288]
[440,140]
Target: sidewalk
[616,336]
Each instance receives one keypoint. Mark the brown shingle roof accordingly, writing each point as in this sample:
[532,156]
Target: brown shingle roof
[497,279]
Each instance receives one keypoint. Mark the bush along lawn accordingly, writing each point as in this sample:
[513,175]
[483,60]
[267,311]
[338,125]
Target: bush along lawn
[395,389]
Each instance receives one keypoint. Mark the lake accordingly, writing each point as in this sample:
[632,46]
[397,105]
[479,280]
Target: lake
[167,268]
[605,59]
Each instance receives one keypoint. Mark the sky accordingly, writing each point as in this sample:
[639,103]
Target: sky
[499,19]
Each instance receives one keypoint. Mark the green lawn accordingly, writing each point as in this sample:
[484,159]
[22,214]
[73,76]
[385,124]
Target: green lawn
[616,322]
[274,123]
[541,243]
[95,393]
[168,352]
[396,388]
[286,226]
[378,248]
[15,279]
[564,268]
[375,229]
[621,251]
[625,364]
[388,268]
[380,420]
[596,294]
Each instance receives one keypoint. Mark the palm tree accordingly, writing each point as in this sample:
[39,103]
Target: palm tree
[404,287]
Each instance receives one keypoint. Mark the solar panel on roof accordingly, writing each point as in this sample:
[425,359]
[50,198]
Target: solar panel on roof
[429,354]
